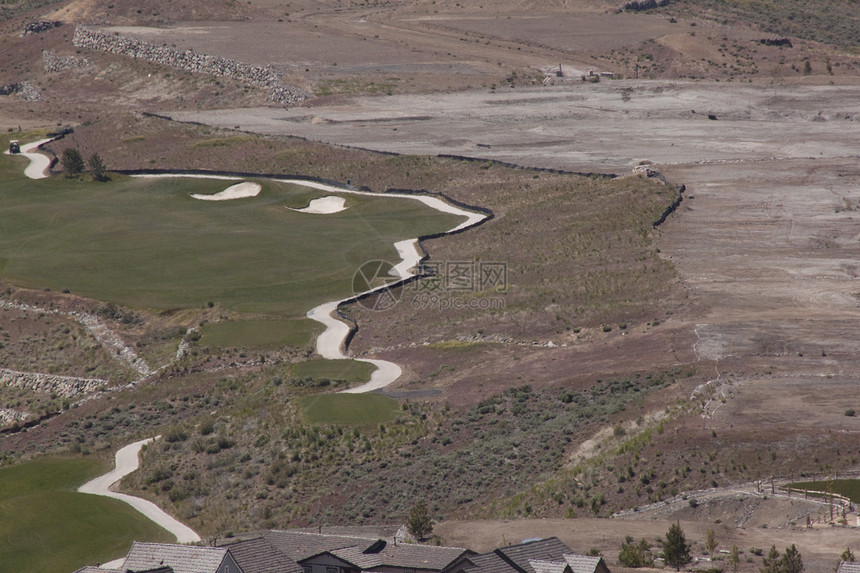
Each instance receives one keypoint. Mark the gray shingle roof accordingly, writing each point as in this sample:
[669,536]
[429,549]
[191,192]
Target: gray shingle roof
[550,549]
[849,567]
[403,555]
[259,556]
[490,563]
[180,558]
[299,545]
[584,563]
[363,552]
[541,566]
[420,556]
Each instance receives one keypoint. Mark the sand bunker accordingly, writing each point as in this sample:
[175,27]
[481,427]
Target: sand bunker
[237,191]
[324,205]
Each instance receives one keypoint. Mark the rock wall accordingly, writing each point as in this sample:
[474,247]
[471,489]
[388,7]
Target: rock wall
[267,77]
[65,386]
[54,63]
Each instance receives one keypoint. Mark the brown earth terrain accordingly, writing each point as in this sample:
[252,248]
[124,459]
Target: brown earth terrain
[747,291]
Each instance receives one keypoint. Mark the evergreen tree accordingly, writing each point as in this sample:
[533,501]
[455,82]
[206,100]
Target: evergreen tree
[98,171]
[634,554]
[771,562]
[735,559]
[419,524]
[847,555]
[791,561]
[676,550]
[73,162]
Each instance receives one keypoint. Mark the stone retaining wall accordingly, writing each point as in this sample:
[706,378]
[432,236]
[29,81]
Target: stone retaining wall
[54,63]
[267,77]
[65,386]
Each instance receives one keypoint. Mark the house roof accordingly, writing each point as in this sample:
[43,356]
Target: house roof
[375,531]
[490,563]
[584,563]
[550,549]
[299,545]
[364,553]
[538,556]
[259,556]
[180,558]
[403,555]
[541,566]
[849,567]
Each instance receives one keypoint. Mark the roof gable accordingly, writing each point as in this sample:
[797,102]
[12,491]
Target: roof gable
[180,558]
[583,563]
[541,566]
[259,556]
[518,556]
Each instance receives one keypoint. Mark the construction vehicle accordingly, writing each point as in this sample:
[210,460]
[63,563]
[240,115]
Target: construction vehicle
[14,146]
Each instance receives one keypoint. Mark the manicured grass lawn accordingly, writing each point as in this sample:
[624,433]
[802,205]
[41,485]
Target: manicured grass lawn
[147,243]
[357,409]
[47,527]
[849,488]
[346,370]
[259,333]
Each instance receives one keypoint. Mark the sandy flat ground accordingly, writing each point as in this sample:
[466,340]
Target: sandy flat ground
[605,127]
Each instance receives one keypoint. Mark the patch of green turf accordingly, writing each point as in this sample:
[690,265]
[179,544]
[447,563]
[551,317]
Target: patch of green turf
[147,243]
[259,333]
[353,409]
[47,527]
[346,370]
[849,488]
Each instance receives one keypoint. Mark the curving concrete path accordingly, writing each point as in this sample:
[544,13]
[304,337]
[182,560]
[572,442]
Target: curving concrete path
[331,343]
[127,462]
[39,162]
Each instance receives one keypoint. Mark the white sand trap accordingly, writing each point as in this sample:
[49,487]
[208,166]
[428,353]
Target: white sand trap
[237,191]
[324,206]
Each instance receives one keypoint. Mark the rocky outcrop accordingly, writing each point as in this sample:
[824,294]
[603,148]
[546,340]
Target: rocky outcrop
[266,77]
[26,90]
[40,26]
[54,63]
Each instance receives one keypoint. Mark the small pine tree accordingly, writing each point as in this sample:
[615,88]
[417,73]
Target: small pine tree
[847,555]
[73,162]
[735,559]
[419,524]
[676,550]
[771,562]
[634,554]
[98,171]
[792,561]
[711,541]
